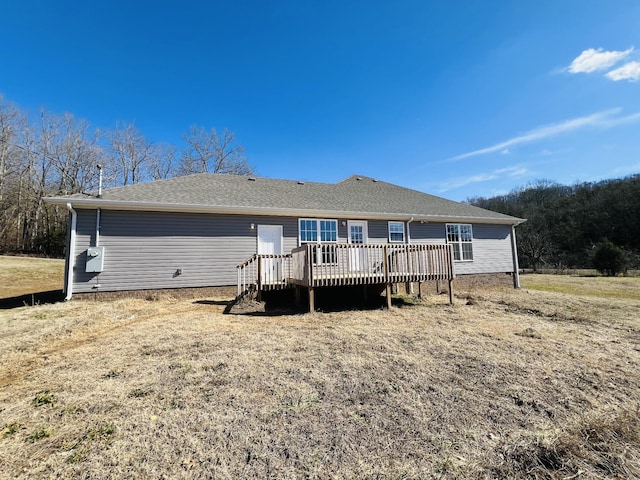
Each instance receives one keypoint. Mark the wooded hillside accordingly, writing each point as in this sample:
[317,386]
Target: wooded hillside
[565,224]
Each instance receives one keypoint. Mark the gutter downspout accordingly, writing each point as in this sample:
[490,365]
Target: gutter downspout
[514,253]
[409,231]
[71,254]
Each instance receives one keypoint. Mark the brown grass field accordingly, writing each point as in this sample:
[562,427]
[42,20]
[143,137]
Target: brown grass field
[542,382]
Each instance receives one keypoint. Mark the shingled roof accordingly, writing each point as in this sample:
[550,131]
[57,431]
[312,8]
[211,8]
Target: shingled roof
[355,197]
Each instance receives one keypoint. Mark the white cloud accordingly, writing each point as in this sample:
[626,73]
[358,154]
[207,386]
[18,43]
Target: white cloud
[513,172]
[629,71]
[605,119]
[615,121]
[592,60]
[505,152]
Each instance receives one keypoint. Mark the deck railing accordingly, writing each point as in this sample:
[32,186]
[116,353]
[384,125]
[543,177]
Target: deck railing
[328,265]
[319,265]
[264,272]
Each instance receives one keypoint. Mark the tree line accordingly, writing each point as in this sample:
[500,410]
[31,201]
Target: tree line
[59,154]
[568,226]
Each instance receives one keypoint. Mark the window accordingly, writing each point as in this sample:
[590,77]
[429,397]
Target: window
[320,231]
[460,236]
[308,231]
[396,232]
[328,230]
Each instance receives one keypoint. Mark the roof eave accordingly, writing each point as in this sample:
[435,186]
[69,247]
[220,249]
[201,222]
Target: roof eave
[95,203]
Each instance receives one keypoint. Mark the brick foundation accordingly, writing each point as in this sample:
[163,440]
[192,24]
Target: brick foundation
[461,284]
[177,293]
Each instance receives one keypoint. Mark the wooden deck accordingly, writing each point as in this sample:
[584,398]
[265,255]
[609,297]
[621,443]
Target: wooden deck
[331,265]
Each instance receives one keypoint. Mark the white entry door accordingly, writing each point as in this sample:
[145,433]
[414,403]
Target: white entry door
[270,243]
[357,235]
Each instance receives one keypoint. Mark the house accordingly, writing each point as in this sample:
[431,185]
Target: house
[199,230]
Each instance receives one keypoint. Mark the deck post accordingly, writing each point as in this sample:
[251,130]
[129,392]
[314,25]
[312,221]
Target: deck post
[386,278]
[419,289]
[450,291]
[297,295]
[312,300]
[259,279]
[388,293]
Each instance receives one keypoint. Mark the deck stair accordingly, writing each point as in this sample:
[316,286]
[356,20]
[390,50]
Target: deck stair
[264,272]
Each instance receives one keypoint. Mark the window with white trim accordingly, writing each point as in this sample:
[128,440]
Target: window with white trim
[460,236]
[396,232]
[320,231]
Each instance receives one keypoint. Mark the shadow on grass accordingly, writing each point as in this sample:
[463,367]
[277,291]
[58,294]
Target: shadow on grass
[214,302]
[405,301]
[30,299]
[328,299]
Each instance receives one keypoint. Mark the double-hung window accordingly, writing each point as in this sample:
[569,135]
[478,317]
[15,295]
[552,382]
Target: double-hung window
[322,232]
[460,236]
[396,232]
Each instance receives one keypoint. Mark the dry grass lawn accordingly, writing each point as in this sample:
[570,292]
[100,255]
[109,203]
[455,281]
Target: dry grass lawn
[504,384]
[23,275]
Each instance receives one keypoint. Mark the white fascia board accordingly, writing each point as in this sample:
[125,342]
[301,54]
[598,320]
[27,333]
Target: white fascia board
[95,203]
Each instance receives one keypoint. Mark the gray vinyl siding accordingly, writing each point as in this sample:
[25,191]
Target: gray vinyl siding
[491,250]
[144,250]
[378,232]
[427,232]
[491,246]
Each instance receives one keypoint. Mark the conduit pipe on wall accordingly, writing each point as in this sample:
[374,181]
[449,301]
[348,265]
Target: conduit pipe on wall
[97,228]
[71,262]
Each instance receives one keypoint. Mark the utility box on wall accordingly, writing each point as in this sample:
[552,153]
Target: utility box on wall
[95,260]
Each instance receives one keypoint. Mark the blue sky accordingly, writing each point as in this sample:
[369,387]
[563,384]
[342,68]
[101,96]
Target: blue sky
[455,98]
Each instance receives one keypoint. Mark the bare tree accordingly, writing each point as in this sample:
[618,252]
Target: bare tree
[12,127]
[58,154]
[73,151]
[12,124]
[131,154]
[162,163]
[207,152]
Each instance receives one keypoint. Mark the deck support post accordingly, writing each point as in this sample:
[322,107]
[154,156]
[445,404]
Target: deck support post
[450,291]
[296,294]
[388,292]
[312,300]
[259,279]
[419,289]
